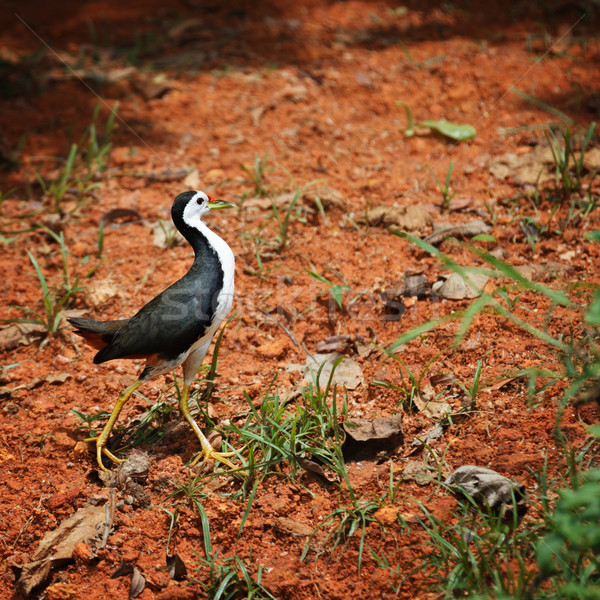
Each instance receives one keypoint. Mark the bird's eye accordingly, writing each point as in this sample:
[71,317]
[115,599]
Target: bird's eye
[200,201]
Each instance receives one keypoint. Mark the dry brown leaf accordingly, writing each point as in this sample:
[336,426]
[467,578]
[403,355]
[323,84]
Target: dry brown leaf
[429,436]
[291,527]
[192,180]
[457,288]
[57,378]
[317,469]
[405,218]
[120,214]
[329,197]
[56,547]
[138,583]
[441,231]
[426,401]
[366,438]
[347,374]
[487,487]
[417,471]
[530,168]
[177,568]
[20,334]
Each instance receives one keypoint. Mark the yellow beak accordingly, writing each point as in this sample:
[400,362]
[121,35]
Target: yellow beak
[219,204]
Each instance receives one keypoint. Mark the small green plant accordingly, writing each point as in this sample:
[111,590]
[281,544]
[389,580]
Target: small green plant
[473,389]
[170,233]
[97,145]
[55,299]
[445,190]
[336,290]
[568,166]
[84,161]
[275,434]
[88,421]
[230,579]
[346,521]
[410,386]
[426,64]
[454,131]
[569,554]
[284,223]
[477,555]
[481,555]
[256,174]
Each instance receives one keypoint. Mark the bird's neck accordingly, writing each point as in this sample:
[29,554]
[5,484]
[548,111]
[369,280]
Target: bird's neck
[199,237]
[205,242]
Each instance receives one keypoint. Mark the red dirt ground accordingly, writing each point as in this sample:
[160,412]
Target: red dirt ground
[313,86]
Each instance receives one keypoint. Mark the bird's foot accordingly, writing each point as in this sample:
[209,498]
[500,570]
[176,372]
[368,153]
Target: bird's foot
[209,453]
[101,449]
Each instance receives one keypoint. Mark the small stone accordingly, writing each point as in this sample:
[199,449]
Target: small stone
[274,349]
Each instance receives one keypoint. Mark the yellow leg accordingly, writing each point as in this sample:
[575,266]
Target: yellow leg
[207,451]
[103,437]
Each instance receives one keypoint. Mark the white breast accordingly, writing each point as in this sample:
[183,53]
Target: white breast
[227,260]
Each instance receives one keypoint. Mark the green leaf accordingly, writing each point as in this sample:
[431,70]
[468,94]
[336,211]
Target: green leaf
[594,431]
[336,293]
[483,237]
[547,550]
[454,131]
[594,236]
[409,131]
[592,315]
[319,277]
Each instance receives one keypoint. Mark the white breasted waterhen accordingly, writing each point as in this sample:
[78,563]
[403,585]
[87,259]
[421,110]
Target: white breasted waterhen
[177,326]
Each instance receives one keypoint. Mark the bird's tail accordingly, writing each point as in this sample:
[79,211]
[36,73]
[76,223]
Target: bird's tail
[98,334]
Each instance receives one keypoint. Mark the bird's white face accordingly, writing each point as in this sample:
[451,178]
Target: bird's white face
[195,209]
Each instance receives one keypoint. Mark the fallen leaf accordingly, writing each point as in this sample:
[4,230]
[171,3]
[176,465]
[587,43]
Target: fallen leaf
[425,439]
[122,570]
[138,582]
[177,568]
[426,401]
[405,218]
[56,378]
[454,131]
[282,201]
[291,527]
[315,468]
[151,88]
[120,214]
[366,438]
[57,546]
[488,488]
[531,168]
[456,287]
[441,231]
[412,286]
[591,159]
[457,204]
[347,373]
[417,471]
[329,197]
[20,334]
[500,384]
[344,343]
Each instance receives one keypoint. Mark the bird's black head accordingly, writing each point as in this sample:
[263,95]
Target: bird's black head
[189,207]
